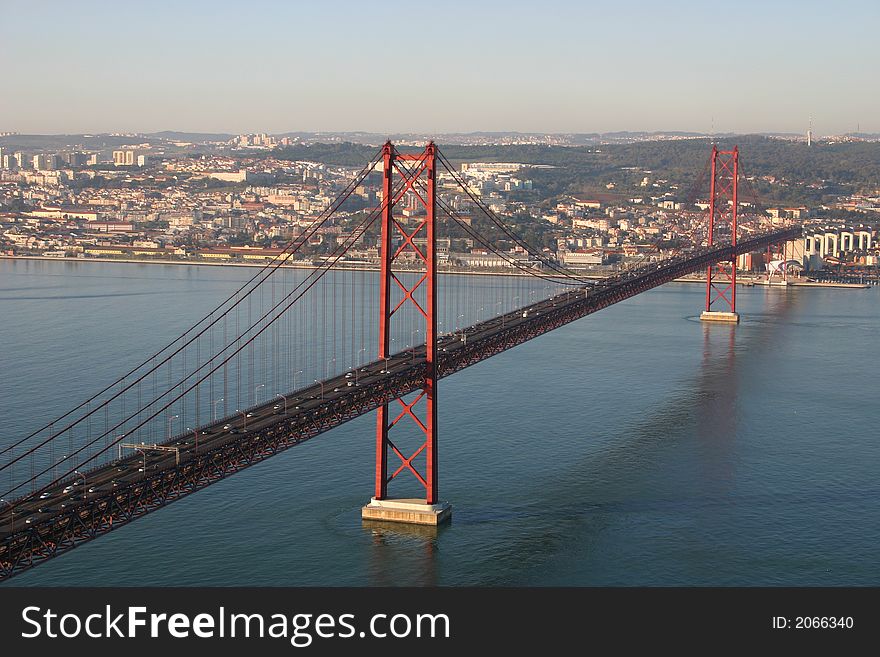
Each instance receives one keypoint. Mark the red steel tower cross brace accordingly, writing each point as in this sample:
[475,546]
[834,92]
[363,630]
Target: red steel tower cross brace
[415,175]
[723,206]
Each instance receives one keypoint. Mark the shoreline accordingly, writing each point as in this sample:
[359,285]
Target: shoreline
[295,265]
[742,281]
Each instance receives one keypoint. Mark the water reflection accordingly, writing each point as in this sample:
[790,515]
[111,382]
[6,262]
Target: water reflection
[722,380]
[403,552]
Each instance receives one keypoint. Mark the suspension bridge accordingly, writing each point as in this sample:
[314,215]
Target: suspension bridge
[294,352]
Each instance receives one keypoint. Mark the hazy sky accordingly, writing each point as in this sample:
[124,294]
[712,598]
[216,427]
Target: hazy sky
[442,66]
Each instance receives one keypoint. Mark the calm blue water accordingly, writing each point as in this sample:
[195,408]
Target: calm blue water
[634,447]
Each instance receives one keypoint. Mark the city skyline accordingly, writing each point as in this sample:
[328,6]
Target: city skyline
[506,67]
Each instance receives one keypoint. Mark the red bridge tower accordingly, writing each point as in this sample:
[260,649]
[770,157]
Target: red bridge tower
[723,206]
[415,174]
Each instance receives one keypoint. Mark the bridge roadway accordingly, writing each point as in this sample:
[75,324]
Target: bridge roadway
[51,521]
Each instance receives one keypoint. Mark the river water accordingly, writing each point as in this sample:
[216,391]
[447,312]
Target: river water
[637,446]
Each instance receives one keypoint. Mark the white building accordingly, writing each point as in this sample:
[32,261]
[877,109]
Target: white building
[582,258]
[125,157]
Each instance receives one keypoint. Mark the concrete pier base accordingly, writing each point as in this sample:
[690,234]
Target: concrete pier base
[717,316]
[412,511]
[385,528]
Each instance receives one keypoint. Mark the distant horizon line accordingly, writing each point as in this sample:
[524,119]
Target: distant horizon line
[488,133]
[689,133]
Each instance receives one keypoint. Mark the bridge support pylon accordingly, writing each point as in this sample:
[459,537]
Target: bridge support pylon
[723,206]
[415,175]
